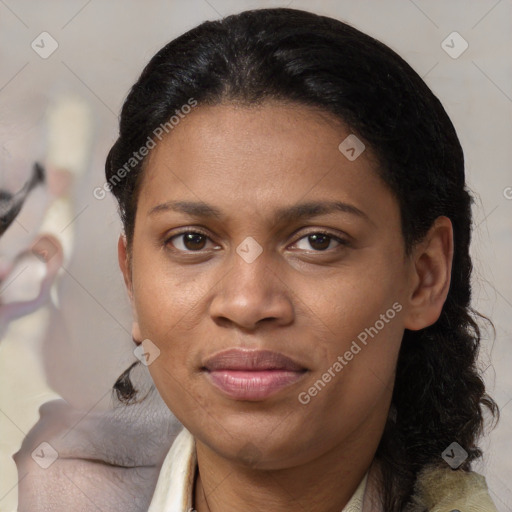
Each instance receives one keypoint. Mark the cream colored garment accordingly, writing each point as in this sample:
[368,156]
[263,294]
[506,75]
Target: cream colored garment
[174,489]
[444,490]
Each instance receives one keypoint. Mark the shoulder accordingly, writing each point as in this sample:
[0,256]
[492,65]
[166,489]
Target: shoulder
[445,490]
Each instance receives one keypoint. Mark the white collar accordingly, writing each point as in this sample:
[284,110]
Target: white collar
[175,486]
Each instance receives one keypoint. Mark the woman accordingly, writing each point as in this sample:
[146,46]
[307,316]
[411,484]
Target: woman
[296,251]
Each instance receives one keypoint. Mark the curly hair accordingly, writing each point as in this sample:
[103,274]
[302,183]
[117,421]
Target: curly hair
[307,59]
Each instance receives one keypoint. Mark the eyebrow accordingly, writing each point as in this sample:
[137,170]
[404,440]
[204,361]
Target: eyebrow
[282,215]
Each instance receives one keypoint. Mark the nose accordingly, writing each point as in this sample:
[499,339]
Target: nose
[252,292]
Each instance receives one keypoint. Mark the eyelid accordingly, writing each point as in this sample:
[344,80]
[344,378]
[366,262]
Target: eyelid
[182,231]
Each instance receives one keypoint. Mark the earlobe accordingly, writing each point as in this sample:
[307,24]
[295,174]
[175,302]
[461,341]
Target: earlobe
[136,334]
[430,282]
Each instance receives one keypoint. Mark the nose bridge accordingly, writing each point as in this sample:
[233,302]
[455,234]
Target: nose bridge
[251,291]
[249,266]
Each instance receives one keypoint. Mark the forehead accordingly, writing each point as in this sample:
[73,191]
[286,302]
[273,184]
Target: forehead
[245,156]
[271,131]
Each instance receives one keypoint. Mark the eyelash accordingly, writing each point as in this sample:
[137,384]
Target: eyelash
[341,241]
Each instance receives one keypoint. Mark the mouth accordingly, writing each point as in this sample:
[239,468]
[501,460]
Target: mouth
[252,375]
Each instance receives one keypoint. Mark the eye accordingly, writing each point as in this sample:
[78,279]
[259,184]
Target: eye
[320,241]
[188,241]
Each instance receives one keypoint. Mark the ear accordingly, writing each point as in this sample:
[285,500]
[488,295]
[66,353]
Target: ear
[430,276]
[123,257]
[124,263]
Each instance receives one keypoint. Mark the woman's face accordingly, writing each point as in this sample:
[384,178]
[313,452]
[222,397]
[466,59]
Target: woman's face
[327,287]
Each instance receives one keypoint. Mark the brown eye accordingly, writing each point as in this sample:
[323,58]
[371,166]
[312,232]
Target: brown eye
[320,241]
[188,241]
[194,241]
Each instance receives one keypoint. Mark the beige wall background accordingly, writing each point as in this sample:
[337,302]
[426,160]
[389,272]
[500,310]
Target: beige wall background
[102,48]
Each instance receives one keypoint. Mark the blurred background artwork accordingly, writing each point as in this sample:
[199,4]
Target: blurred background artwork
[65,69]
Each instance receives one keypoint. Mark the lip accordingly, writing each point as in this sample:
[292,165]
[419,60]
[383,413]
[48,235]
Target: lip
[252,375]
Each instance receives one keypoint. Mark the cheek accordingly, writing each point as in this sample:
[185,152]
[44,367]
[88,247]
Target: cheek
[352,299]
[355,378]
[359,314]
[165,296]
[168,312]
